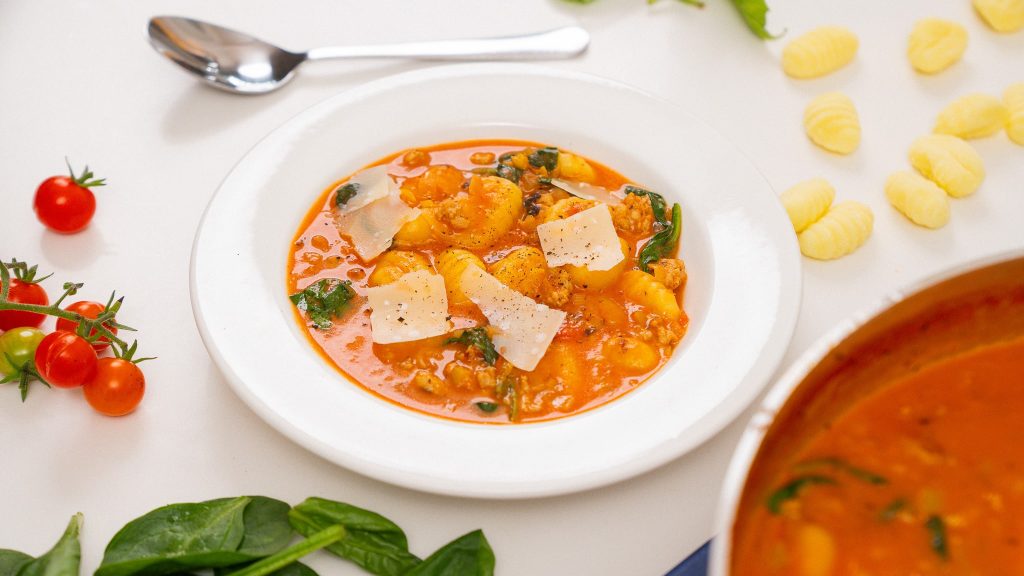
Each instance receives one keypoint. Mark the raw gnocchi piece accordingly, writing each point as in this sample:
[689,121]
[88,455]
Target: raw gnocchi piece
[819,52]
[1001,15]
[972,116]
[918,198]
[1013,98]
[644,289]
[936,44]
[832,123]
[839,232]
[949,162]
[450,265]
[394,264]
[807,202]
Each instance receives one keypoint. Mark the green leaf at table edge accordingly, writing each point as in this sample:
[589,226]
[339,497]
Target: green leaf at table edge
[467,555]
[11,561]
[63,559]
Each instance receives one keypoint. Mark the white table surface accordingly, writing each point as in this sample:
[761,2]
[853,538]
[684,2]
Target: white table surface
[80,80]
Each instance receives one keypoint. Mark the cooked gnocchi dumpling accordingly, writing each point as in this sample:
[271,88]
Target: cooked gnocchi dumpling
[645,290]
[1013,99]
[832,123]
[936,44]
[1001,15]
[918,198]
[807,202]
[972,116]
[949,162]
[451,263]
[842,230]
[394,264]
[819,52]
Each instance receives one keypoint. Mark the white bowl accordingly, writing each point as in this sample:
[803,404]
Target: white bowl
[742,298]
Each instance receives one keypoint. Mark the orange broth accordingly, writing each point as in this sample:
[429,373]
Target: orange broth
[574,375]
[924,476]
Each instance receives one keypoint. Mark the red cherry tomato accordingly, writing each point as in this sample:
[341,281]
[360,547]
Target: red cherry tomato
[25,293]
[64,203]
[116,388]
[65,359]
[88,309]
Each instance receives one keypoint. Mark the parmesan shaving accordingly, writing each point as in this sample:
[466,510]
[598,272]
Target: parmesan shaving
[523,329]
[373,184]
[372,228]
[584,239]
[413,307]
[590,192]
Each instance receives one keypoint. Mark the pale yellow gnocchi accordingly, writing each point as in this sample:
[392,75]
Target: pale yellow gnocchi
[819,52]
[936,44]
[572,167]
[1013,99]
[840,231]
[949,162]
[918,198]
[450,265]
[394,264]
[1001,15]
[480,216]
[632,355]
[972,116]
[832,123]
[807,202]
[645,290]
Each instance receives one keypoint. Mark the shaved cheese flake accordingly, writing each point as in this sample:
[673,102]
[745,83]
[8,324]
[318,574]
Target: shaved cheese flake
[373,184]
[584,239]
[413,307]
[590,192]
[523,329]
[372,228]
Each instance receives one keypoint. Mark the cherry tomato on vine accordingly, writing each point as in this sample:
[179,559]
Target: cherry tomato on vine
[88,309]
[65,359]
[116,388]
[23,292]
[18,347]
[64,203]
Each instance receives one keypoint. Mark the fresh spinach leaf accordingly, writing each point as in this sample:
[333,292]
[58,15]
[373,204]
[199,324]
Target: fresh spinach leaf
[345,193]
[792,489]
[657,202]
[63,559]
[481,339]
[197,535]
[293,569]
[272,564]
[323,300]
[662,243]
[755,16]
[546,157]
[937,539]
[468,555]
[842,466]
[11,561]
[372,541]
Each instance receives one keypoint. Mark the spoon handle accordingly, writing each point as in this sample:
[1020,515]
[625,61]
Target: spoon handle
[558,43]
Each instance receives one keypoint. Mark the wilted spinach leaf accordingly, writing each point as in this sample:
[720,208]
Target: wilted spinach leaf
[508,172]
[372,541]
[63,559]
[481,339]
[937,536]
[323,300]
[792,489]
[663,243]
[468,555]
[346,193]
[546,157]
[842,466]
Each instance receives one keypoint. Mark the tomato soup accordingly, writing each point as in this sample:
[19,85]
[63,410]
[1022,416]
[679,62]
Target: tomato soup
[925,475]
[483,206]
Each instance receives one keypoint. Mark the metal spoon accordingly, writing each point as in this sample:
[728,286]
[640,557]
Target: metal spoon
[239,63]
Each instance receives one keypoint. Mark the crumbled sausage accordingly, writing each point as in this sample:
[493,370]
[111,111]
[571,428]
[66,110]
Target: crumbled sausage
[669,271]
[634,215]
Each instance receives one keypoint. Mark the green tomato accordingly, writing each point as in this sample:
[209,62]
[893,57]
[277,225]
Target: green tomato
[17,347]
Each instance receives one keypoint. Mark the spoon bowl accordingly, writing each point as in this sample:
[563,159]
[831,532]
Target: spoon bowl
[242,64]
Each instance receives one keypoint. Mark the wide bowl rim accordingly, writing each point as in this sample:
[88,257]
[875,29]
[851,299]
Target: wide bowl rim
[767,360]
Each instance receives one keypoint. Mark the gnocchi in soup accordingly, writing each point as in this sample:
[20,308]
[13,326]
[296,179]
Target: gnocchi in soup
[491,281]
